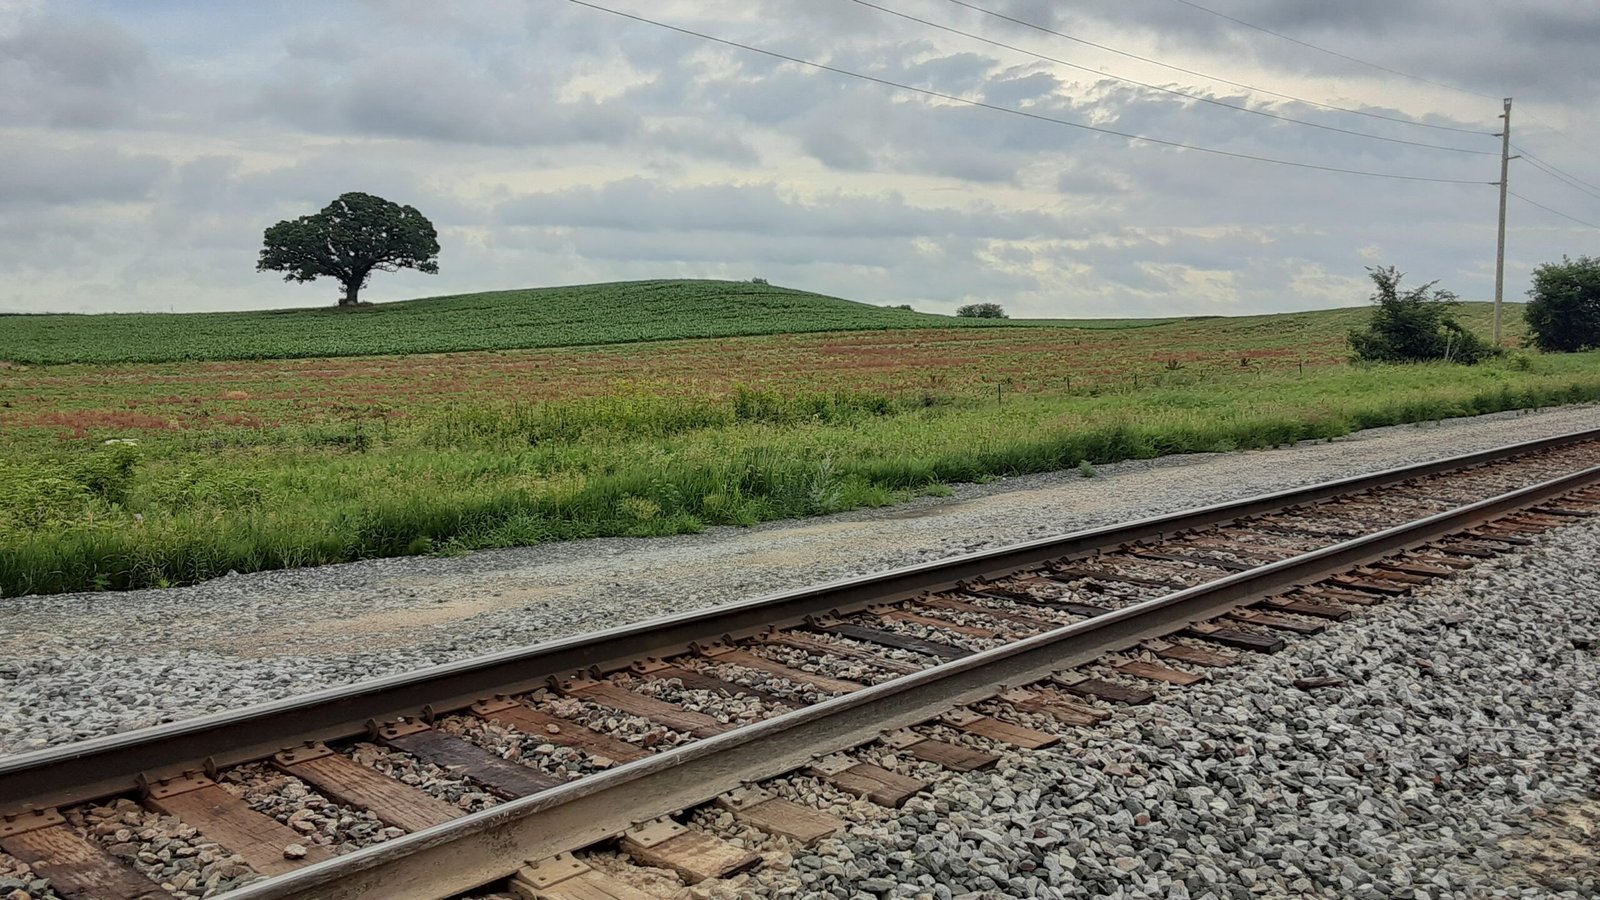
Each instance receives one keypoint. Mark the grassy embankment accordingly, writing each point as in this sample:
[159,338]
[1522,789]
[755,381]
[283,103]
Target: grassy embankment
[257,465]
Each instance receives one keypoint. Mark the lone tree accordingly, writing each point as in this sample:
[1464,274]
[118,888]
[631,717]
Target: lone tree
[1564,310]
[351,238]
[1415,326]
[982,311]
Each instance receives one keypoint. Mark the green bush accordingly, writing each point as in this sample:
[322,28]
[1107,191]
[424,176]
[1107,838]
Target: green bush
[1564,312]
[1418,325]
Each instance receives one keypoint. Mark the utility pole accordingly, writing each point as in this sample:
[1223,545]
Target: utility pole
[1500,248]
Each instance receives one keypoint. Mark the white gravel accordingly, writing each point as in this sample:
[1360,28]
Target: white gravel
[75,666]
[1460,761]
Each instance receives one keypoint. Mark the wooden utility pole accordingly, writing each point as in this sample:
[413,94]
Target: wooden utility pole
[1500,248]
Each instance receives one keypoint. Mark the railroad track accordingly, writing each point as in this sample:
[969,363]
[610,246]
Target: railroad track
[465,775]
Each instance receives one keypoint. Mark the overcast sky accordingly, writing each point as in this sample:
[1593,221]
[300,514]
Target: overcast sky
[145,145]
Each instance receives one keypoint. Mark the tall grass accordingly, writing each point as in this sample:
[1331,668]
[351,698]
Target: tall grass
[499,475]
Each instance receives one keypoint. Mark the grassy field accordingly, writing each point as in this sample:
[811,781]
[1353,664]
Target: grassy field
[256,464]
[501,320]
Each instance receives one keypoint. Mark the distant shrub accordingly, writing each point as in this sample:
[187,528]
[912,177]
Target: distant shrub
[1415,326]
[904,306]
[982,311]
[758,281]
[1564,310]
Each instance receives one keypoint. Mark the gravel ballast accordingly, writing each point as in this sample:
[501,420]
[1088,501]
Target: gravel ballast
[1459,760]
[75,666]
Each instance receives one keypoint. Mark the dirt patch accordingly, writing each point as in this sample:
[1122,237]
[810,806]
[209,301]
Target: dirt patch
[380,628]
[1560,850]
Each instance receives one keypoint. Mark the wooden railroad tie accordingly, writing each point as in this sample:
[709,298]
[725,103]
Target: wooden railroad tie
[1233,637]
[1198,559]
[767,811]
[1303,607]
[345,781]
[1368,584]
[955,757]
[830,625]
[1156,672]
[1050,703]
[222,817]
[1269,620]
[78,868]
[1100,689]
[998,730]
[1323,593]
[818,647]
[901,615]
[657,670]
[744,659]
[565,877]
[866,780]
[695,855]
[602,748]
[613,696]
[1194,656]
[502,777]
[1067,574]
[941,601]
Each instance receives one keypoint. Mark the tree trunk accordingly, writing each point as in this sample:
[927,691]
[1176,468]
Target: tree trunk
[351,289]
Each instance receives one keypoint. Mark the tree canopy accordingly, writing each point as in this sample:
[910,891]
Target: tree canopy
[982,311]
[1563,311]
[1414,326]
[351,238]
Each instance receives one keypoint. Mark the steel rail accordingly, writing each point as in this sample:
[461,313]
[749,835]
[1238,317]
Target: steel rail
[115,764]
[482,847]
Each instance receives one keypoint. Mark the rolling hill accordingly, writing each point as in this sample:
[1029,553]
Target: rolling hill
[499,320]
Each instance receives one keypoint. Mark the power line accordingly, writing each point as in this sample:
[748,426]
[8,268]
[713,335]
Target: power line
[1155,87]
[927,92]
[1561,178]
[1345,56]
[1550,169]
[1239,84]
[1555,211]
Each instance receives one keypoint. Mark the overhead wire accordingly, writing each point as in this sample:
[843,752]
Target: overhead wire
[1550,210]
[1239,84]
[1379,66]
[1550,169]
[1167,90]
[952,98]
[1310,46]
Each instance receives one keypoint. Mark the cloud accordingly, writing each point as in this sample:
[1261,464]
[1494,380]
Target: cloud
[70,74]
[36,173]
[554,144]
[645,206]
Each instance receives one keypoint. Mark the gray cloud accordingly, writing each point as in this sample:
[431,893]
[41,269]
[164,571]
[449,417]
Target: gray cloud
[554,144]
[36,173]
[71,74]
[1443,40]
[640,205]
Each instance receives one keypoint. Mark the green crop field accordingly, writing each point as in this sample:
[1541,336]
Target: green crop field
[500,320]
[154,473]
